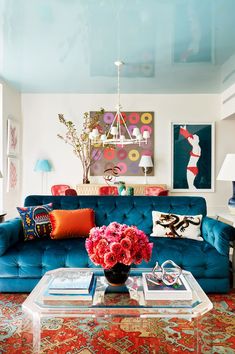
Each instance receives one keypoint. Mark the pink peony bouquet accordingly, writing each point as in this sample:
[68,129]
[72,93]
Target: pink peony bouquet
[118,243]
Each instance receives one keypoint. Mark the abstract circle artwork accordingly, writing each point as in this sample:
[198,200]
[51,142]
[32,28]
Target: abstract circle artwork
[126,157]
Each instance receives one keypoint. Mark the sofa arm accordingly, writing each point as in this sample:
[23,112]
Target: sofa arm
[9,233]
[218,234]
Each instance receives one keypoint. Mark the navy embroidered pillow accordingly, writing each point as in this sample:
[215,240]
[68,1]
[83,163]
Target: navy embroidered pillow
[36,221]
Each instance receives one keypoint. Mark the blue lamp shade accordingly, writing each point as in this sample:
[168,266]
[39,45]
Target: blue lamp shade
[42,166]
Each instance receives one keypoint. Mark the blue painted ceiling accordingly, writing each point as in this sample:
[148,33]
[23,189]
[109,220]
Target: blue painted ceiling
[168,46]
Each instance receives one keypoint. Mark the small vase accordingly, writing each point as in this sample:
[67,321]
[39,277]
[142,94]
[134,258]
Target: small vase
[118,274]
[85,181]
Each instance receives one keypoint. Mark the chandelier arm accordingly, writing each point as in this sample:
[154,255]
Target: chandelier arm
[123,120]
[119,124]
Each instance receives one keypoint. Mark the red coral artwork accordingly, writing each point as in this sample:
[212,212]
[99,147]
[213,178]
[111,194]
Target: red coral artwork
[13,174]
[13,137]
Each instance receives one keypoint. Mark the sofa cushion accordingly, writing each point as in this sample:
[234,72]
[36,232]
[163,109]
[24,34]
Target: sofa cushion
[24,261]
[176,226]
[36,221]
[71,223]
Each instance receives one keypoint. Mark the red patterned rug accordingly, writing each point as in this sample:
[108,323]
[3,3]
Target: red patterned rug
[115,335]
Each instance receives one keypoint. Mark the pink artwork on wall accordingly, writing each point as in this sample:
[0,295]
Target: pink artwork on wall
[13,137]
[126,157]
[13,174]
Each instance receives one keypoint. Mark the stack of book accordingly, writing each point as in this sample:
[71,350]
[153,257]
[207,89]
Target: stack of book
[155,289]
[70,288]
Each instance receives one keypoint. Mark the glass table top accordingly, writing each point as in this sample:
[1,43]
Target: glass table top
[116,301]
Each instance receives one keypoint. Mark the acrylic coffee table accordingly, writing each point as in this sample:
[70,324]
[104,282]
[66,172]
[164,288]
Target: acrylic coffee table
[128,304]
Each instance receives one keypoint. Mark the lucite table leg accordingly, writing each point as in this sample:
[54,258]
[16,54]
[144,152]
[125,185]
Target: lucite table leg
[197,336]
[36,333]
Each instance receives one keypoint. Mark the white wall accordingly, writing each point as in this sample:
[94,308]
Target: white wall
[41,126]
[228,103]
[11,108]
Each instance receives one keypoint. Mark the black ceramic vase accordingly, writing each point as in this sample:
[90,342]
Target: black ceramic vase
[118,274]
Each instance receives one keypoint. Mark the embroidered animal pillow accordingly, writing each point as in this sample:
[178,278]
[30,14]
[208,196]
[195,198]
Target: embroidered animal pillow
[177,226]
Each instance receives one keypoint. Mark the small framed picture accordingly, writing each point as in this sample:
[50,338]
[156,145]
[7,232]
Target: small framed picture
[13,146]
[12,174]
[192,157]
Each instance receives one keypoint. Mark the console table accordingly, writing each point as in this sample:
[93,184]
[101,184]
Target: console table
[93,189]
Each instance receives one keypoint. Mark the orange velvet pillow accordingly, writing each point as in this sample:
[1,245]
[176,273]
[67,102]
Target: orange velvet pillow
[71,223]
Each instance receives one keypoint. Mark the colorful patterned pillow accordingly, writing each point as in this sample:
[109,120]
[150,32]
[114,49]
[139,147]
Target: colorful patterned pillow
[176,226]
[36,221]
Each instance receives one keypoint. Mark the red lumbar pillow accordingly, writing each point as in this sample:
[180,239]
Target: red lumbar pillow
[71,223]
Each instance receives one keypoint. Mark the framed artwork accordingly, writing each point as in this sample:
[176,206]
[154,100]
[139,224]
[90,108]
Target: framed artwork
[192,157]
[12,137]
[12,174]
[127,158]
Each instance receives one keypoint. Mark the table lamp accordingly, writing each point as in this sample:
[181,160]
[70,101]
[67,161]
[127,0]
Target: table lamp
[145,162]
[227,173]
[43,166]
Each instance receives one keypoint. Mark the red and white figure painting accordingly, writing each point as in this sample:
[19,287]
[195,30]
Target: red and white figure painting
[126,157]
[193,157]
[13,174]
[12,137]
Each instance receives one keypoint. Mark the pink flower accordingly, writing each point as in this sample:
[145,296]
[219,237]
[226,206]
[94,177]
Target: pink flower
[110,260]
[116,248]
[111,235]
[116,242]
[147,252]
[101,247]
[141,236]
[89,246]
[131,233]
[95,259]
[126,243]
[95,234]
[125,257]
[114,226]
[138,257]
[102,230]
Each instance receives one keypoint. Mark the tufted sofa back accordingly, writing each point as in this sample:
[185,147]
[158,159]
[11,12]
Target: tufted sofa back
[130,210]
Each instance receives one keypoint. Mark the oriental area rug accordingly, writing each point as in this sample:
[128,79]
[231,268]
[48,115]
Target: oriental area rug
[216,333]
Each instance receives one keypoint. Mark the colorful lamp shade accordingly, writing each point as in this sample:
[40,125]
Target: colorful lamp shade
[227,173]
[42,166]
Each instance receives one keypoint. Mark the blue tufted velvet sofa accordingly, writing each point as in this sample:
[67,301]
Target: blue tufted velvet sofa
[22,264]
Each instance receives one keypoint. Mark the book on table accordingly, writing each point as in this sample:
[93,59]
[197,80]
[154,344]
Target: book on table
[155,289]
[72,283]
[68,299]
